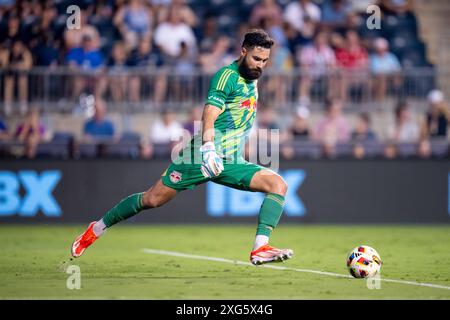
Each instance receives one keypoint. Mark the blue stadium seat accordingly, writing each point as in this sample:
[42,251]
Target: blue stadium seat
[440,148]
[129,136]
[373,149]
[53,150]
[162,150]
[407,150]
[87,150]
[63,137]
[122,149]
[344,150]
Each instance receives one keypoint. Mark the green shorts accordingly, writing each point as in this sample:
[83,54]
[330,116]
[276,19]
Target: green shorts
[187,176]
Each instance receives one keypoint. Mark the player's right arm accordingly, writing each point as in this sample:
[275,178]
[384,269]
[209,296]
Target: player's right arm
[219,89]
[212,164]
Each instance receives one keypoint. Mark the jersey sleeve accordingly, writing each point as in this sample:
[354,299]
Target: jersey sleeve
[221,86]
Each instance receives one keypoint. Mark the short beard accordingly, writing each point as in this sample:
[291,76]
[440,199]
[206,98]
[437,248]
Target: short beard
[247,73]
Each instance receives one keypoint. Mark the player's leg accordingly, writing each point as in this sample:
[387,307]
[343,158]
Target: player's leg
[252,177]
[275,189]
[156,196]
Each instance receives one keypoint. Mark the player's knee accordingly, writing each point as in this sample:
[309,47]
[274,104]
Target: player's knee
[279,186]
[150,201]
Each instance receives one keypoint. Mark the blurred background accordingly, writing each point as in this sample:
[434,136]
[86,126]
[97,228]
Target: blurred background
[362,112]
[135,73]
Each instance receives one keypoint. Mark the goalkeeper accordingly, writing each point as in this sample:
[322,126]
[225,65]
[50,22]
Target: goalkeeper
[216,155]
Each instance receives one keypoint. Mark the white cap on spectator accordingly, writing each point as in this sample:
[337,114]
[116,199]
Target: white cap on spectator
[435,96]
[303,112]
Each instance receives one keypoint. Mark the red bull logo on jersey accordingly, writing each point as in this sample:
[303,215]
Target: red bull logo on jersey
[249,104]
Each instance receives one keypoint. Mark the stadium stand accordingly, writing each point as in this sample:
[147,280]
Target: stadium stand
[117,55]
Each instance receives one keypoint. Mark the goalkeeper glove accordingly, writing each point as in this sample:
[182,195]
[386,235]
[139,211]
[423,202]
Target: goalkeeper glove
[212,164]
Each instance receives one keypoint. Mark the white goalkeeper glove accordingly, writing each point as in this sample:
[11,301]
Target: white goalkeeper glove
[212,164]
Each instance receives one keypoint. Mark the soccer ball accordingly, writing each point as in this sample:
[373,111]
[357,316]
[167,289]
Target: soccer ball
[363,262]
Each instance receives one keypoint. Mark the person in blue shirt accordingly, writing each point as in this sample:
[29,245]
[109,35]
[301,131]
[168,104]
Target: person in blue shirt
[99,127]
[89,58]
[386,67]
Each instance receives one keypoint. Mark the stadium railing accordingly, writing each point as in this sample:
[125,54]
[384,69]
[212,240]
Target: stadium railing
[61,89]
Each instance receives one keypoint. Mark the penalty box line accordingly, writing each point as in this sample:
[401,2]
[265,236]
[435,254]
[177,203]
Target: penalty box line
[236,262]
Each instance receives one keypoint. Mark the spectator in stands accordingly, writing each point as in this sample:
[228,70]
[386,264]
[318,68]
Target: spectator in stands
[166,130]
[353,63]
[267,118]
[88,57]
[134,20]
[73,38]
[193,124]
[363,131]
[183,84]
[300,125]
[47,51]
[266,9]
[144,57]
[385,68]
[218,57]
[404,129]
[117,77]
[390,150]
[397,7]
[31,132]
[358,151]
[424,149]
[276,86]
[316,62]
[276,31]
[296,40]
[437,117]
[102,18]
[187,15]
[18,61]
[334,14]
[99,128]
[296,12]
[170,35]
[208,34]
[169,38]
[333,128]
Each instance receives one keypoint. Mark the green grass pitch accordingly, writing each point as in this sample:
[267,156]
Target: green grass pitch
[33,261]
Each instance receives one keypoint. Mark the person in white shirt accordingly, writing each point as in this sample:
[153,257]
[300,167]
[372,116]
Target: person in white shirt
[404,130]
[171,34]
[296,12]
[166,130]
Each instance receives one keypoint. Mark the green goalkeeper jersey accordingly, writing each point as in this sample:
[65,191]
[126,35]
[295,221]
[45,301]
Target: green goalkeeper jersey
[236,97]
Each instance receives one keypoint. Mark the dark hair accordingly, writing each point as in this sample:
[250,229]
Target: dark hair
[329,102]
[401,106]
[257,38]
[365,116]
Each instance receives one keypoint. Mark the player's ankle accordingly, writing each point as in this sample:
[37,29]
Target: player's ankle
[260,240]
[99,228]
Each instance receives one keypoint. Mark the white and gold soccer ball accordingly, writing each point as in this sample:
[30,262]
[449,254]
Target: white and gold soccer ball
[364,262]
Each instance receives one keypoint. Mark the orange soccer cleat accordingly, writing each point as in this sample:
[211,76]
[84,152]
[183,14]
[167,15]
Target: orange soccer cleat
[84,241]
[266,254]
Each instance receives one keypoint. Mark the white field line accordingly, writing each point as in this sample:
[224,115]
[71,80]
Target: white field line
[236,262]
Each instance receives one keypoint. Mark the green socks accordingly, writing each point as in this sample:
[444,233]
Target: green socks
[269,214]
[125,209]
